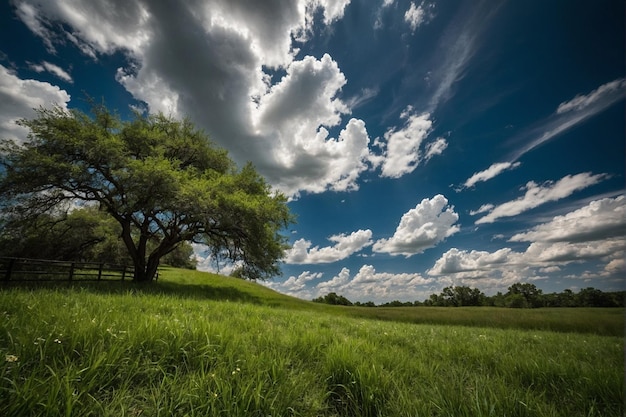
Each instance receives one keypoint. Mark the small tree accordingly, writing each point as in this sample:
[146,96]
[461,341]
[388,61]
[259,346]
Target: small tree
[532,294]
[160,179]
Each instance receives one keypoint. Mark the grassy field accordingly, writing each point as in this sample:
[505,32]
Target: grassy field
[201,345]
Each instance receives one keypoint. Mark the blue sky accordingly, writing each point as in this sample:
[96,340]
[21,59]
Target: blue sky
[422,144]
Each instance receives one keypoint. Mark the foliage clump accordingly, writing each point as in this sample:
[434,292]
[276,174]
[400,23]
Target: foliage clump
[161,180]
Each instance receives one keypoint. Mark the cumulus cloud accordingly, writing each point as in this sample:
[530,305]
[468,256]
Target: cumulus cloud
[401,148]
[491,172]
[593,233]
[537,195]
[539,257]
[370,285]
[297,286]
[616,266]
[282,126]
[421,228]
[565,252]
[19,97]
[53,69]
[298,283]
[206,262]
[455,261]
[415,16]
[296,113]
[345,246]
[601,219]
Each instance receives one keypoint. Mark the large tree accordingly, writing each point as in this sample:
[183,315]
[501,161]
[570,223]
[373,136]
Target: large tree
[161,179]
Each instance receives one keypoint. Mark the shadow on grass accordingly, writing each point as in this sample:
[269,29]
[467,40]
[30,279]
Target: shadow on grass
[171,289]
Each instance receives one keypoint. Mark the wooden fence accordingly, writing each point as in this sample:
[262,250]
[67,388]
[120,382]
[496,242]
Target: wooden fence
[37,270]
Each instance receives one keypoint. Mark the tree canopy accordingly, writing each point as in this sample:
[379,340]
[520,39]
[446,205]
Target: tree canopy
[161,179]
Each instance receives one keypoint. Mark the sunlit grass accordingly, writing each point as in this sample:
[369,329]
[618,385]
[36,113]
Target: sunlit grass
[176,350]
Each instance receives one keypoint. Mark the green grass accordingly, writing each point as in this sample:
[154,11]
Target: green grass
[198,345]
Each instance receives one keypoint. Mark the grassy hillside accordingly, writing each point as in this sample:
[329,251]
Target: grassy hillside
[601,321]
[198,344]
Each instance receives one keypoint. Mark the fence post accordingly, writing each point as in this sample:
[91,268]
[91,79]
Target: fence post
[7,277]
[123,272]
[72,271]
[100,271]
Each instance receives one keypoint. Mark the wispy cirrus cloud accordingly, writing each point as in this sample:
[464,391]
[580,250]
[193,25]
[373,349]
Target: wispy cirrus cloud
[571,113]
[600,98]
[537,195]
[457,47]
[491,172]
[53,69]
[567,115]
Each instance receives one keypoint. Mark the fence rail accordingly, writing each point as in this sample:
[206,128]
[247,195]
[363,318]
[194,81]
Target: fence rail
[38,270]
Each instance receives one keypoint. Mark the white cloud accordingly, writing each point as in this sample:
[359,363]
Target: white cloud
[53,69]
[598,220]
[401,149]
[602,96]
[435,148]
[345,246]
[482,209]
[32,18]
[337,283]
[421,228]
[455,261]
[298,283]
[572,112]
[103,26]
[565,252]
[456,48]
[299,286]
[415,16]
[281,128]
[370,285]
[378,24]
[305,98]
[497,270]
[491,172]
[295,114]
[616,266]
[207,263]
[19,97]
[593,233]
[537,195]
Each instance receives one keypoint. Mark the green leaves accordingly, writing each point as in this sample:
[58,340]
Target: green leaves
[160,178]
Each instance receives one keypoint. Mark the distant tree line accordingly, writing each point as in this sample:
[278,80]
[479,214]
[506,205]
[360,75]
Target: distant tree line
[519,295]
[333,299]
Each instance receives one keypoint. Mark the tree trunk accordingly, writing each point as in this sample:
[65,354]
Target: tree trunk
[141,272]
[146,271]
